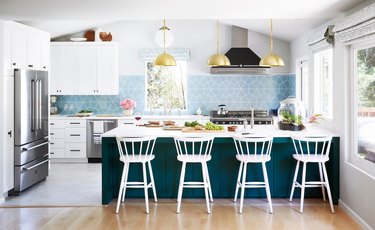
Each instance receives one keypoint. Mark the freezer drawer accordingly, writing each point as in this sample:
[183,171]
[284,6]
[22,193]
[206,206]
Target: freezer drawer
[30,173]
[29,152]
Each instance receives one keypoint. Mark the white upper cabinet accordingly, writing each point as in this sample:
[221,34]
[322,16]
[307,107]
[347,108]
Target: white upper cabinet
[26,48]
[89,68]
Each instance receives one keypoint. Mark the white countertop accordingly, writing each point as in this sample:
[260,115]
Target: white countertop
[144,117]
[259,130]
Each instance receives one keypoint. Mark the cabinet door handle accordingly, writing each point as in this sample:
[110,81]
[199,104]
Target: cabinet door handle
[75,150]
[30,65]
[51,153]
[14,63]
[44,67]
[10,133]
[52,134]
[75,135]
[75,123]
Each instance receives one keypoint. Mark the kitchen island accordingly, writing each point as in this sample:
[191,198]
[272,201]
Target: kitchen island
[223,167]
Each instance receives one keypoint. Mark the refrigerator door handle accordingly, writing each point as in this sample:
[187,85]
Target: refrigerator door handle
[33,110]
[34,166]
[34,147]
[39,103]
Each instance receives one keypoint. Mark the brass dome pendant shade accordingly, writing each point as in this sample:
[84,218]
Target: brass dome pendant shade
[164,59]
[218,59]
[271,59]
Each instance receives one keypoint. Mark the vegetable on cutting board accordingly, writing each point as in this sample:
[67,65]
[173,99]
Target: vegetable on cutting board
[212,126]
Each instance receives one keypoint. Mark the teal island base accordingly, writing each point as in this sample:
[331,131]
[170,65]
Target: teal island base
[223,170]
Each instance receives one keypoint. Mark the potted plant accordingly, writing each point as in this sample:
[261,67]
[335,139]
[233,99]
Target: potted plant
[128,105]
[290,121]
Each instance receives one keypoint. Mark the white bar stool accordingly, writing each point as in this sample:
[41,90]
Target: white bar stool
[252,150]
[194,150]
[136,150]
[312,150]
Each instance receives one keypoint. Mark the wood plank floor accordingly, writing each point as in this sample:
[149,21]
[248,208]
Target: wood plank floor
[193,215]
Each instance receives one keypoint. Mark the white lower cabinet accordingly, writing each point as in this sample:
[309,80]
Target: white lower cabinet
[67,139]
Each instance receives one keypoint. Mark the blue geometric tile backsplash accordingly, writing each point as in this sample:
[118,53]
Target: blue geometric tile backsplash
[204,91]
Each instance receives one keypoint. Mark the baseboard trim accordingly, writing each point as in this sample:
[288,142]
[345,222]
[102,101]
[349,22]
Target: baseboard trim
[354,215]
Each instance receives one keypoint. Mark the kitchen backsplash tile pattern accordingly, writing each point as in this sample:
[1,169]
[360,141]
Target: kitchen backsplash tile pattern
[204,91]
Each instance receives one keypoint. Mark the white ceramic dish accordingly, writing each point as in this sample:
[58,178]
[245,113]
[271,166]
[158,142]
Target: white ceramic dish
[78,39]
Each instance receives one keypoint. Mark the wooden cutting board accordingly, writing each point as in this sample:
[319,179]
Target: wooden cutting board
[192,130]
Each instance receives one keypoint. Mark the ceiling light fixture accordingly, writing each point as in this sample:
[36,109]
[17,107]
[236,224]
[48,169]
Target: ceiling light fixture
[271,59]
[164,59]
[218,59]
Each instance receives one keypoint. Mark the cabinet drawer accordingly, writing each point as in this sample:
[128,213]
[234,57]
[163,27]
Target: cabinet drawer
[75,124]
[75,150]
[57,124]
[75,135]
[57,153]
[57,143]
[56,133]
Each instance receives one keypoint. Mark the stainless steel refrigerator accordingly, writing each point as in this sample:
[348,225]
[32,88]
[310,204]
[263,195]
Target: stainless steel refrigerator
[31,147]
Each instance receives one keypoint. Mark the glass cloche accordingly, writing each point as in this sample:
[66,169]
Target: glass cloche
[291,114]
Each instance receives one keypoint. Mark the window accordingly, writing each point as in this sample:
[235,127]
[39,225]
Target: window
[363,103]
[166,86]
[303,81]
[323,83]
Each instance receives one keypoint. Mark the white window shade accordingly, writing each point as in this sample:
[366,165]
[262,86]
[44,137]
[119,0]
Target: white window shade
[321,39]
[180,54]
[357,26]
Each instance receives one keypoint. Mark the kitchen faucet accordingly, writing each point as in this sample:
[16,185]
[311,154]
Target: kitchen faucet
[252,118]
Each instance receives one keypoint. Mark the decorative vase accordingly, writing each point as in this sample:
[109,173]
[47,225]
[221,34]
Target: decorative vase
[128,112]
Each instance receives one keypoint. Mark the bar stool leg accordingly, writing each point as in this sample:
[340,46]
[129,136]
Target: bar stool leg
[267,186]
[180,186]
[322,180]
[206,187]
[303,186]
[294,181]
[328,188]
[126,170]
[209,182]
[152,181]
[145,186]
[238,182]
[243,186]
[120,190]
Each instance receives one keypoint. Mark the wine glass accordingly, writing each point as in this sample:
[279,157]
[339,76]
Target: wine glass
[138,117]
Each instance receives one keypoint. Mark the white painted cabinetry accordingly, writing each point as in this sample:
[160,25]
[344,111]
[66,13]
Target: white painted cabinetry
[68,138]
[29,47]
[84,68]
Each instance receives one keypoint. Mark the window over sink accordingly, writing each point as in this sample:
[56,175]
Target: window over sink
[166,87]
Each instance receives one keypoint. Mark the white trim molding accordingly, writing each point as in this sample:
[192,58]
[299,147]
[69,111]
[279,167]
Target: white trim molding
[357,26]
[354,215]
[180,54]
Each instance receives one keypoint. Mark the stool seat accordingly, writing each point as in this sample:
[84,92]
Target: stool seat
[193,158]
[311,158]
[136,158]
[253,158]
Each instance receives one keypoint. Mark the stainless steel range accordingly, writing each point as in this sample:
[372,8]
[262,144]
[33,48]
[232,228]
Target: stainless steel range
[237,117]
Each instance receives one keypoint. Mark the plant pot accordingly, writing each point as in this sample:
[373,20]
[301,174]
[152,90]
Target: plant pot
[128,112]
[290,127]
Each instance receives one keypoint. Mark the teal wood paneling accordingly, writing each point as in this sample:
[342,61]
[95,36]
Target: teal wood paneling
[223,170]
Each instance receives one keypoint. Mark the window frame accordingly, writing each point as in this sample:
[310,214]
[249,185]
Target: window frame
[300,86]
[361,164]
[184,72]
[318,84]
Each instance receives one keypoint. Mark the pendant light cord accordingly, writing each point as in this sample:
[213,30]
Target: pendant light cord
[217,36]
[164,34]
[271,40]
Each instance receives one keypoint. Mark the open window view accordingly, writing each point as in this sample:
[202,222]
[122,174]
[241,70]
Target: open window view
[166,87]
[364,102]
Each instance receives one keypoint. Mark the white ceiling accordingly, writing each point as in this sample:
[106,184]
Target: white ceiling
[292,17]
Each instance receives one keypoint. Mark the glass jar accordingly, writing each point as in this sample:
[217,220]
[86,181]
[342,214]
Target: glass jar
[291,114]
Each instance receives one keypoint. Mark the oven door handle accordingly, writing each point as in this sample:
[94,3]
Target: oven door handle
[34,147]
[34,166]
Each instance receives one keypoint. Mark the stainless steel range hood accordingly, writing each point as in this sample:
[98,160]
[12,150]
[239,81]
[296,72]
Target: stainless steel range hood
[243,60]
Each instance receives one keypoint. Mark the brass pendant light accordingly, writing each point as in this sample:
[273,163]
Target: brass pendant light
[164,59]
[271,59]
[218,59]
